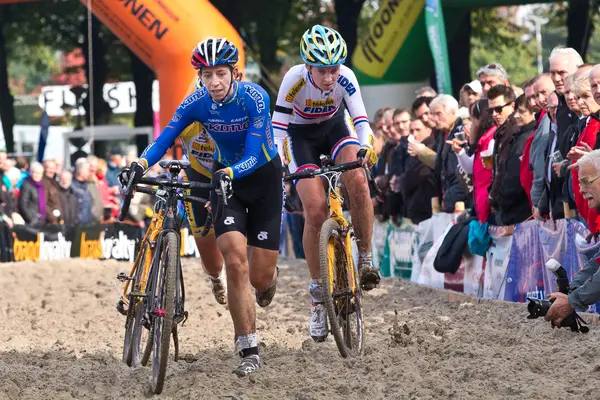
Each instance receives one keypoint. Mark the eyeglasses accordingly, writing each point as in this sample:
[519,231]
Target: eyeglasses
[585,183]
[499,109]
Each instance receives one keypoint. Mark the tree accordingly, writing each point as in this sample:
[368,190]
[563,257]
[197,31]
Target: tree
[347,15]
[496,40]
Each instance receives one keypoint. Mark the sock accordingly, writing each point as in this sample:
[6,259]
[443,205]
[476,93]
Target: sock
[365,257]
[247,344]
[316,291]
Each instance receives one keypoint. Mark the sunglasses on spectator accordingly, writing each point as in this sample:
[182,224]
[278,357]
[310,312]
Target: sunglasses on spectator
[499,109]
[492,67]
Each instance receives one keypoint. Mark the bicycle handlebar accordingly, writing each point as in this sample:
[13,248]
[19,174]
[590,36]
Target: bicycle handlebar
[313,173]
[160,182]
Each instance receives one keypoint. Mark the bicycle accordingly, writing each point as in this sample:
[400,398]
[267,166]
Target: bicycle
[339,274]
[154,293]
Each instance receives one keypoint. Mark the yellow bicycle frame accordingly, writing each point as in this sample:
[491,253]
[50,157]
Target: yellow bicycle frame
[335,213]
[149,238]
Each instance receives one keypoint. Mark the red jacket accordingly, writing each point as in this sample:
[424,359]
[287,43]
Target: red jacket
[482,177]
[526,172]
[590,214]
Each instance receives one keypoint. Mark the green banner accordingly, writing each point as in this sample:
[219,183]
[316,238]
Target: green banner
[436,33]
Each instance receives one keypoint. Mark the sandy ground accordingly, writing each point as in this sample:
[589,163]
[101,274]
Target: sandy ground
[61,338]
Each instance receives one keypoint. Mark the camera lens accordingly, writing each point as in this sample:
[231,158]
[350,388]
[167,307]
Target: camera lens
[537,308]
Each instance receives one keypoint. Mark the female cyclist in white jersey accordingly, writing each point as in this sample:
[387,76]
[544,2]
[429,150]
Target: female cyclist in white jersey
[310,118]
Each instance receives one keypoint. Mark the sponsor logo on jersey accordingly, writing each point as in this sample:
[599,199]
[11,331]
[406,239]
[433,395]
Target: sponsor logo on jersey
[176,117]
[286,149]
[318,110]
[289,97]
[258,122]
[345,83]
[269,136]
[257,97]
[192,98]
[205,157]
[320,103]
[246,165]
[232,127]
[239,119]
[202,146]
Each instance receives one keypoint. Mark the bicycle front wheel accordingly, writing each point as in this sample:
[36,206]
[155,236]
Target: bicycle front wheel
[164,309]
[342,295]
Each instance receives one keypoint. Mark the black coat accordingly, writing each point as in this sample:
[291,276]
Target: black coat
[29,206]
[446,166]
[418,185]
[512,201]
[69,205]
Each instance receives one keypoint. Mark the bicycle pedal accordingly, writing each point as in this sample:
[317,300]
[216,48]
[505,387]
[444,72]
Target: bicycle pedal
[180,318]
[123,277]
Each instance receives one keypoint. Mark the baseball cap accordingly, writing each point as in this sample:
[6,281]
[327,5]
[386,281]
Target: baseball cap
[493,70]
[475,86]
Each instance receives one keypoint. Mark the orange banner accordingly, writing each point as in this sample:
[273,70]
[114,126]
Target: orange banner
[163,34]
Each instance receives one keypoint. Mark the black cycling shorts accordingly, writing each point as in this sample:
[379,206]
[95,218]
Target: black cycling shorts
[256,206]
[196,212]
[306,143]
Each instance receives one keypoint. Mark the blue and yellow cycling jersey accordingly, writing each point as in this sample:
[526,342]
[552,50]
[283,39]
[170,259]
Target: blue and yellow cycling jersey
[198,148]
[240,128]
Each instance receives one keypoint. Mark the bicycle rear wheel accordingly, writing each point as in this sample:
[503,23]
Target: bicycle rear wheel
[342,295]
[165,307]
[133,321]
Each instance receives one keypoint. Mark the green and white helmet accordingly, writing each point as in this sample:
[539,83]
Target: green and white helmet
[321,46]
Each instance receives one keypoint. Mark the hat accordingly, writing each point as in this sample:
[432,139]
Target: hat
[475,86]
[493,70]
[115,151]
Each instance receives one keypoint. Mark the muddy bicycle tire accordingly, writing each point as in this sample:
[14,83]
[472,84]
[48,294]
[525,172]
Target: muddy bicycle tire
[342,310]
[166,301]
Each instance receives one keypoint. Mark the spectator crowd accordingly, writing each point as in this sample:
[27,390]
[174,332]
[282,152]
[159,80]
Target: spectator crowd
[41,194]
[503,151]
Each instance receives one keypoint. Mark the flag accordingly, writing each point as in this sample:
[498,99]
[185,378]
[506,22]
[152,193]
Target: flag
[436,33]
[44,125]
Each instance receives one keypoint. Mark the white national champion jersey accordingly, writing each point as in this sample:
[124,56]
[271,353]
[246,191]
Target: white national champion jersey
[301,102]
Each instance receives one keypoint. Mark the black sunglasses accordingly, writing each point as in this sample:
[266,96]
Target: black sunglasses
[499,108]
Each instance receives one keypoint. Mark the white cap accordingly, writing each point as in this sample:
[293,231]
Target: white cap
[475,86]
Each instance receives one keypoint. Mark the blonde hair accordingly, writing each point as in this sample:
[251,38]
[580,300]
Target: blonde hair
[581,85]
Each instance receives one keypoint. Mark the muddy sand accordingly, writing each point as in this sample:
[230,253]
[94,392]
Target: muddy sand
[61,338]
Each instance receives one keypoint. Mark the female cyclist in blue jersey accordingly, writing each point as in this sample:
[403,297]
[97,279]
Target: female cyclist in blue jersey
[320,111]
[236,115]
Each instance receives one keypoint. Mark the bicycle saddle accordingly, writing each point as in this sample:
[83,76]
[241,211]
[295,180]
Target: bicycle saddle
[167,164]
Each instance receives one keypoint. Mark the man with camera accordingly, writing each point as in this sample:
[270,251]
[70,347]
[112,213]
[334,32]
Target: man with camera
[585,286]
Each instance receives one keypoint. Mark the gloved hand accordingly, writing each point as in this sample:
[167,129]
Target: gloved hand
[126,173]
[367,156]
[219,176]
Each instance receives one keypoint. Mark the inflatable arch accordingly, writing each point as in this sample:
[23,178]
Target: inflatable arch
[163,33]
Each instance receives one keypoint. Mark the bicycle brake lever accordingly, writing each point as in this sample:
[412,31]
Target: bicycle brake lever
[224,191]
